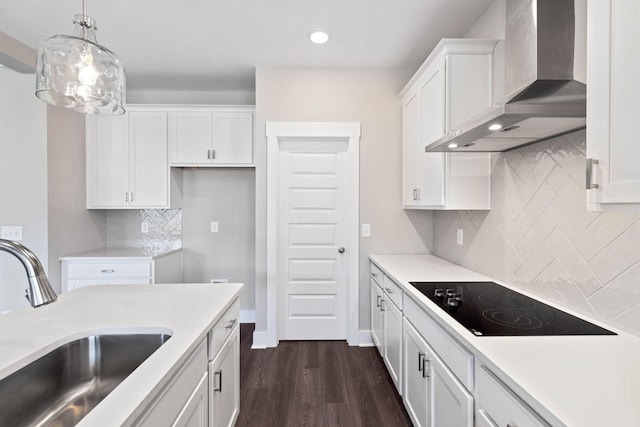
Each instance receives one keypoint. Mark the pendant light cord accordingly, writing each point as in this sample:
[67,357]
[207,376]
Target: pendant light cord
[84,18]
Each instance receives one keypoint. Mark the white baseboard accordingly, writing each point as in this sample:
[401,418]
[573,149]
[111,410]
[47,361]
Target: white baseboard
[247,316]
[364,338]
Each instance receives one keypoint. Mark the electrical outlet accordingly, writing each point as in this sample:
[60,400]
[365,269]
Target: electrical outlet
[366,230]
[144,227]
[460,236]
[11,232]
[214,226]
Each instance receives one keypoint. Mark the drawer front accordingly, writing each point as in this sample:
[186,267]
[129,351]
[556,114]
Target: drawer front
[456,357]
[109,270]
[81,283]
[375,273]
[219,333]
[166,408]
[499,404]
[393,291]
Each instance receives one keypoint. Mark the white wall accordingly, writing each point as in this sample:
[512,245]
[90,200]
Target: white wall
[354,95]
[190,97]
[23,186]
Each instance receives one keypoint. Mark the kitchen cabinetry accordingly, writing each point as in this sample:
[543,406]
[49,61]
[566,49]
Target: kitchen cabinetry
[386,321]
[453,85]
[119,267]
[211,137]
[206,390]
[435,393]
[127,163]
[498,406]
[612,91]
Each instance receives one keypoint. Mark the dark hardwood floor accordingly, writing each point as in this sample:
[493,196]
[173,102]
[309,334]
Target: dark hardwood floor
[315,383]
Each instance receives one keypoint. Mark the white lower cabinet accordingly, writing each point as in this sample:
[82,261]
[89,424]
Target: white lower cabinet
[433,395]
[393,341]
[195,413]
[376,316]
[206,389]
[497,405]
[224,383]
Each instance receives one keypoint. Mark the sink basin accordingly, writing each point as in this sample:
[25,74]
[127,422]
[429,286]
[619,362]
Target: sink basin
[61,387]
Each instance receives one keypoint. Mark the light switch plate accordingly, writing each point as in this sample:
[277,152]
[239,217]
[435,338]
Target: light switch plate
[144,227]
[366,230]
[11,232]
[460,236]
[214,226]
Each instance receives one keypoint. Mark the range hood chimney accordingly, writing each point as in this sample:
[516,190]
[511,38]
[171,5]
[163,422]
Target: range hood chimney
[542,98]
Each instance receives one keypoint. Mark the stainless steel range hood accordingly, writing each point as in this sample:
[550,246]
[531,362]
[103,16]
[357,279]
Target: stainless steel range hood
[543,100]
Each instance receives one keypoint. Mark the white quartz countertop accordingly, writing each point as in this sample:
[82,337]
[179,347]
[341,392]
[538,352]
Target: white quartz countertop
[185,311]
[113,254]
[569,380]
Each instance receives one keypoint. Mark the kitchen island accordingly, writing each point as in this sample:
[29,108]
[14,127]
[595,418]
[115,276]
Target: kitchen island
[580,380]
[200,318]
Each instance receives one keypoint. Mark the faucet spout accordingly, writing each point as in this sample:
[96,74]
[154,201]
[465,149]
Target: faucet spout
[40,291]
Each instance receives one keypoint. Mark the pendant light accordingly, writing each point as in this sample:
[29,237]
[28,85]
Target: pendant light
[76,72]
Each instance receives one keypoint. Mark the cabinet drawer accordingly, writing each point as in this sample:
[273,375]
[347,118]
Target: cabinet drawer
[166,408]
[81,283]
[499,404]
[456,357]
[393,291]
[109,270]
[222,329]
[375,273]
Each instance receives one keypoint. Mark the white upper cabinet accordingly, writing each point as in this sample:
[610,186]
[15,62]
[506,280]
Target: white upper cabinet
[127,163]
[613,89]
[453,85]
[211,136]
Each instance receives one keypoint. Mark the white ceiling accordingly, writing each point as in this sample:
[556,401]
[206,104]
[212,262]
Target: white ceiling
[217,44]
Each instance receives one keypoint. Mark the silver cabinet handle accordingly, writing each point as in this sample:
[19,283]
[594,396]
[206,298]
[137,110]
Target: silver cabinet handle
[382,304]
[374,274]
[389,290]
[213,154]
[231,324]
[126,197]
[421,357]
[131,197]
[425,368]
[341,249]
[217,375]
[590,184]
[208,154]
[378,301]
[107,271]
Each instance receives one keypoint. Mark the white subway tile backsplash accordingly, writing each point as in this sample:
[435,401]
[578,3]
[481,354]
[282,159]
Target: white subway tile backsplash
[539,236]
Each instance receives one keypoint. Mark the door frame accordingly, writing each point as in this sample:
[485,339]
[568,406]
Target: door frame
[330,131]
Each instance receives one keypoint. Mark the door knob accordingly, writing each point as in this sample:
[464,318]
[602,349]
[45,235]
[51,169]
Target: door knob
[341,249]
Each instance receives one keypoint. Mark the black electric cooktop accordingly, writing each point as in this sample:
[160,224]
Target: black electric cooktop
[489,309]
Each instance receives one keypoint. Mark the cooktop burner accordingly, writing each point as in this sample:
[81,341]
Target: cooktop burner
[489,309]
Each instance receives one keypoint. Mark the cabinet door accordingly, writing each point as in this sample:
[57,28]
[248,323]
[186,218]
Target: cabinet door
[452,404]
[149,168]
[613,89]
[376,316]
[107,161]
[190,137]
[433,102]
[410,150]
[233,138]
[416,382]
[195,413]
[393,341]
[224,387]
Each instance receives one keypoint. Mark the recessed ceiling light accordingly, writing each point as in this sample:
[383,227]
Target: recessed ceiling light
[319,37]
[495,126]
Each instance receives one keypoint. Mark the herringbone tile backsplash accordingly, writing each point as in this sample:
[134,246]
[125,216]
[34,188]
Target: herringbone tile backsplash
[538,235]
[165,229]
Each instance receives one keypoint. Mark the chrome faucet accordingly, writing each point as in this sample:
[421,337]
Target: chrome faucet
[40,291]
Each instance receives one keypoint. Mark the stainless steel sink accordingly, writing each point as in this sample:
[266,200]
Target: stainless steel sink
[61,387]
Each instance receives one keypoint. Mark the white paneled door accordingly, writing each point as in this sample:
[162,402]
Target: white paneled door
[312,241]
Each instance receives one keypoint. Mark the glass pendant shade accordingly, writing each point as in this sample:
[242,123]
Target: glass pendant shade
[76,72]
